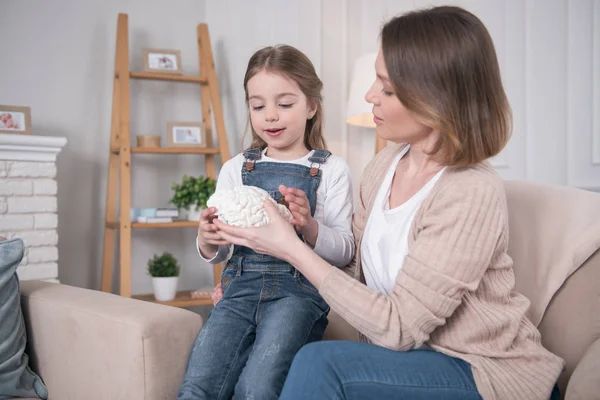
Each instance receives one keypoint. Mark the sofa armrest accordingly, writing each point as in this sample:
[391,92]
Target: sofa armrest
[585,380]
[339,329]
[87,344]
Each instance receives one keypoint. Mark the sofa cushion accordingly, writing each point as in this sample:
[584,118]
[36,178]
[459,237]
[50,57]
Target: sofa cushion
[553,231]
[572,321]
[16,378]
[584,383]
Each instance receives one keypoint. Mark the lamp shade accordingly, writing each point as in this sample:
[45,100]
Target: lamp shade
[358,112]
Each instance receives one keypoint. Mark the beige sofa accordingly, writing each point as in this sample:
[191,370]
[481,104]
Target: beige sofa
[96,346]
[90,345]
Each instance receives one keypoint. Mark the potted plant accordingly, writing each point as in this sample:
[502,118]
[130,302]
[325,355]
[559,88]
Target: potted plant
[164,271]
[192,194]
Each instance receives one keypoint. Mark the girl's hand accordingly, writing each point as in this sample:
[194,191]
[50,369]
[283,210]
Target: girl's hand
[216,294]
[208,237]
[299,206]
[277,238]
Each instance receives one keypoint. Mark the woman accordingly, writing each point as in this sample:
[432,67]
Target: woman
[431,287]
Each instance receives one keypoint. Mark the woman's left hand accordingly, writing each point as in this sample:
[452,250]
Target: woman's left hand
[277,238]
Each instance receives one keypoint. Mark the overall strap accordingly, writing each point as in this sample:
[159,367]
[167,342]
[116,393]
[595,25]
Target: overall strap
[251,155]
[319,157]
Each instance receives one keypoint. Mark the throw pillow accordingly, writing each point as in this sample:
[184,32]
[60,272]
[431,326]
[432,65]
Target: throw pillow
[16,378]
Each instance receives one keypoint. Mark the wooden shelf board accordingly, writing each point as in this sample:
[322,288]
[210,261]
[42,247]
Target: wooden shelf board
[167,77]
[182,299]
[140,225]
[176,150]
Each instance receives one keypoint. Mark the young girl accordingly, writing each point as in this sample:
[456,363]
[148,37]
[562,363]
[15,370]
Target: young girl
[269,310]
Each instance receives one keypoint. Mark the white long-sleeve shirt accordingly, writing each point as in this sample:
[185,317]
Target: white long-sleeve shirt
[333,211]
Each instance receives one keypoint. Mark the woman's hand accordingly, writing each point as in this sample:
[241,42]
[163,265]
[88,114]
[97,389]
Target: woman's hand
[299,206]
[277,238]
[208,238]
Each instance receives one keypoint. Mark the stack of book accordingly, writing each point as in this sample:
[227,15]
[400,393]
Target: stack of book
[154,215]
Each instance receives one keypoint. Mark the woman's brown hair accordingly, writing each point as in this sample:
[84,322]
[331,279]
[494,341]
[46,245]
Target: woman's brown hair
[295,65]
[443,66]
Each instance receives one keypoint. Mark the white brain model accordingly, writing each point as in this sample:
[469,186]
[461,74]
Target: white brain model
[243,206]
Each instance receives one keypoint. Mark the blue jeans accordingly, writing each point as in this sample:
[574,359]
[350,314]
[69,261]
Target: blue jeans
[249,341]
[351,370]
[354,371]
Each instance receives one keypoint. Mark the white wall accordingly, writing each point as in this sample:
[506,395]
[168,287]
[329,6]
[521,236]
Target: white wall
[549,54]
[61,64]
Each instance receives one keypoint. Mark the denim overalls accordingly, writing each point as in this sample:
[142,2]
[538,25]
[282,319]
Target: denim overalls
[268,311]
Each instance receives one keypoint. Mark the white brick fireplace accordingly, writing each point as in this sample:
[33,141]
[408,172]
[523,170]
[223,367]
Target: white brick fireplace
[28,200]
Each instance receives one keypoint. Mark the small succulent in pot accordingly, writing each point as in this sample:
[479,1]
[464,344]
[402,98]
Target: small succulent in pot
[163,266]
[164,271]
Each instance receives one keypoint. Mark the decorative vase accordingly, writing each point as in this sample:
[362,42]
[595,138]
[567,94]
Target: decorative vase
[193,214]
[165,289]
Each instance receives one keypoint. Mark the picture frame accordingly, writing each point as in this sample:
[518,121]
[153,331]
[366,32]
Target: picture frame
[15,119]
[162,61]
[186,134]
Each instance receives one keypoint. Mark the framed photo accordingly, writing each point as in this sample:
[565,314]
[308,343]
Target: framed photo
[14,119]
[186,134]
[162,61]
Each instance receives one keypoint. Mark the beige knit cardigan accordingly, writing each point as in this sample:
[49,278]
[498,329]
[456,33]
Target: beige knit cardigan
[455,289]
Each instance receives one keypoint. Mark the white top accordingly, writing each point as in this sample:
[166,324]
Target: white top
[333,212]
[385,241]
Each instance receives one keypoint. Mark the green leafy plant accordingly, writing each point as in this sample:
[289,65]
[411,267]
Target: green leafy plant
[163,266]
[192,191]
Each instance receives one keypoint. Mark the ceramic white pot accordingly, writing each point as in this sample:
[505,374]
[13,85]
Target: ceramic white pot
[192,214]
[165,289]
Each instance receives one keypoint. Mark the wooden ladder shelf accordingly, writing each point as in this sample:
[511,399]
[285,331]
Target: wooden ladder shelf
[118,194]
